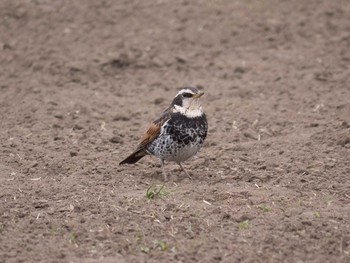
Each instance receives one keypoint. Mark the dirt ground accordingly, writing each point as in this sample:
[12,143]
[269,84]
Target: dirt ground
[81,80]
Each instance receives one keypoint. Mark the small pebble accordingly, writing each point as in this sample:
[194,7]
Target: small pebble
[115,139]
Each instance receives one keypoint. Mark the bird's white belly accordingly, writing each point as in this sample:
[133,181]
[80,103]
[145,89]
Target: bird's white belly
[182,154]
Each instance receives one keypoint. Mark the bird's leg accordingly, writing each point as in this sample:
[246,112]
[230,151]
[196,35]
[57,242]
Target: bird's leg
[183,169]
[164,173]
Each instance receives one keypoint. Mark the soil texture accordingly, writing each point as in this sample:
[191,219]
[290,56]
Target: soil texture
[81,81]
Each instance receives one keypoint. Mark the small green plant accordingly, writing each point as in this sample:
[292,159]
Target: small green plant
[264,208]
[162,245]
[72,238]
[317,214]
[156,190]
[244,225]
[327,200]
[145,249]
[1,227]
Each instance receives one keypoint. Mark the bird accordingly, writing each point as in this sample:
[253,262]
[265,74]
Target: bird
[178,134]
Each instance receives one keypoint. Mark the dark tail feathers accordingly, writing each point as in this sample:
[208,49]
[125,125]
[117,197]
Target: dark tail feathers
[134,157]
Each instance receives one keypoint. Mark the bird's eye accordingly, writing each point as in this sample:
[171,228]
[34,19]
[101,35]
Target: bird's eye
[187,95]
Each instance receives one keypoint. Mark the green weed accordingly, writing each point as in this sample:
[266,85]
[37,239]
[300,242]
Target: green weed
[244,225]
[145,249]
[156,190]
[264,208]
[72,238]
[162,245]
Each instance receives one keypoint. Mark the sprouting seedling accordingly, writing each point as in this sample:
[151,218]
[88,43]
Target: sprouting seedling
[145,249]
[161,244]
[244,225]
[155,190]
[264,208]
[72,238]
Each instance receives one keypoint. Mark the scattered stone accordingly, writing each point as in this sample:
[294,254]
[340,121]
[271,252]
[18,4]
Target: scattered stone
[73,153]
[58,116]
[158,101]
[5,46]
[40,204]
[56,126]
[116,139]
[240,70]
[345,124]
[180,60]
[244,217]
[78,127]
[121,61]
[120,118]
[323,76]
[251,135]
[344,141]
[33,164]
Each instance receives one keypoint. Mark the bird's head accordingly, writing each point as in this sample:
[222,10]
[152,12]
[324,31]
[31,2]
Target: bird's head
[187,102]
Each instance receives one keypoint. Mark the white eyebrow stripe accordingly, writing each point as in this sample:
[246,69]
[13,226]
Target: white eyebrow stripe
[184,91]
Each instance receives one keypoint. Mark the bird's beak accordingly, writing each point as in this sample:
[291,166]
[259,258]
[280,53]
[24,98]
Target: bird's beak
[199,94]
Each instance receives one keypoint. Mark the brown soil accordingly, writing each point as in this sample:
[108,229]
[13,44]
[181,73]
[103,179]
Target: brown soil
[81,80]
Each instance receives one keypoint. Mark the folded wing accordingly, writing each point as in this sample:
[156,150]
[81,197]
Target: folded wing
[151,134]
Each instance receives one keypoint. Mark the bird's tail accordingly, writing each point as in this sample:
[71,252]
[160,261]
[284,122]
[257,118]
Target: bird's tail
[134,157]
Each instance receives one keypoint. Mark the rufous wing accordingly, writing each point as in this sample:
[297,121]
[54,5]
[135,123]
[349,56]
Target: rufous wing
[151,134]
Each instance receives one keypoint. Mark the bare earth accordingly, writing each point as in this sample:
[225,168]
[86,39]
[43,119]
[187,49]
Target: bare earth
[80,82]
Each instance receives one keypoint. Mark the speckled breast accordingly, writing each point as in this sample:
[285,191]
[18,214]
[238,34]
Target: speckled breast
[180,138]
